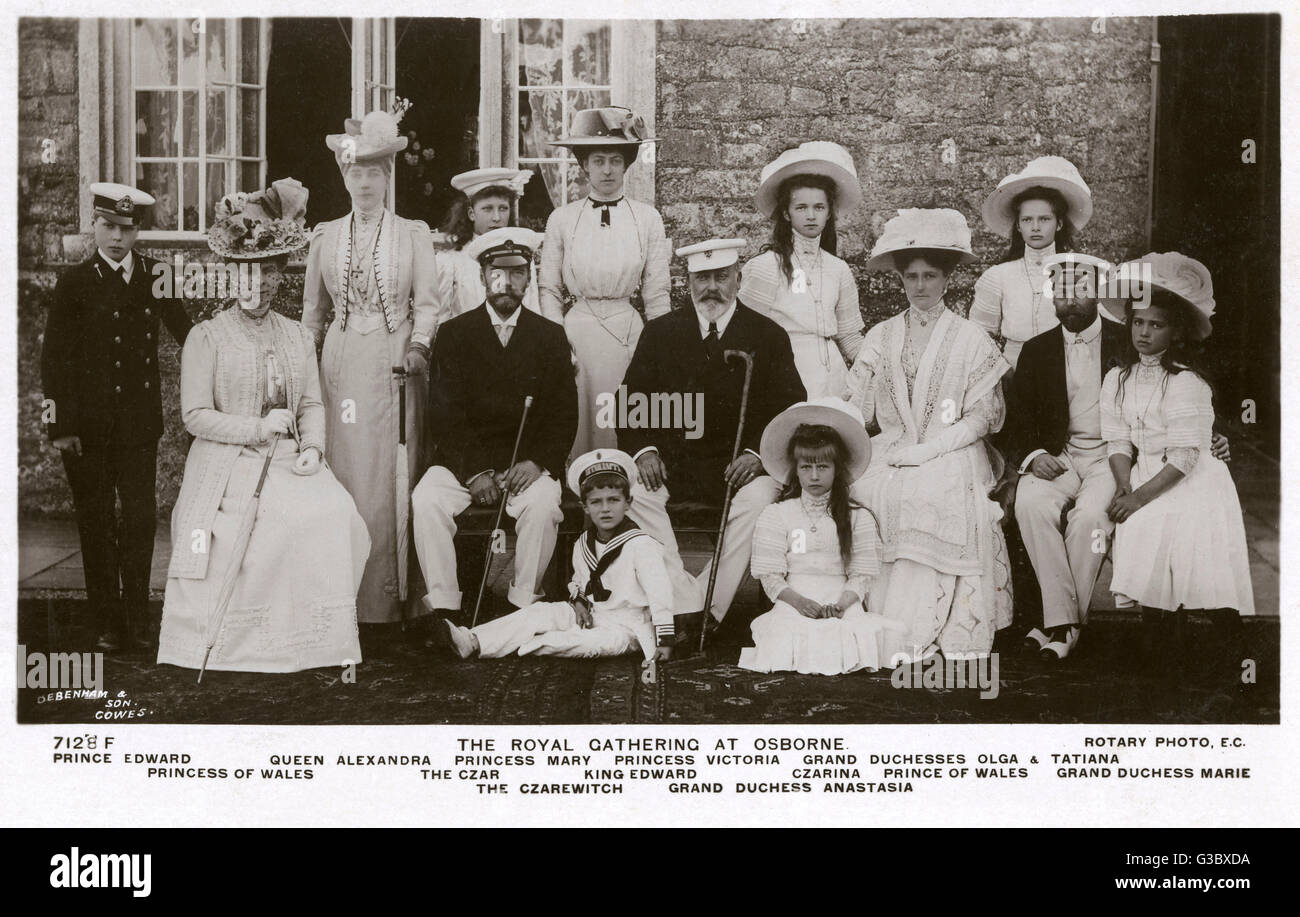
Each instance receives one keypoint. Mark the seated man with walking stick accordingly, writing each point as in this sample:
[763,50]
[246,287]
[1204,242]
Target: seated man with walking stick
[493,451]
[700,354]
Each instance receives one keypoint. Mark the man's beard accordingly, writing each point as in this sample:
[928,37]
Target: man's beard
[712,308]
[504,303]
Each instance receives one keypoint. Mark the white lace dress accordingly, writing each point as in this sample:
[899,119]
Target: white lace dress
[796,545]
[1187,547]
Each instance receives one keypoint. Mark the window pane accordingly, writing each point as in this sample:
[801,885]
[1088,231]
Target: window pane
[540,120]
[249,38]
[250,177]
[158,179]
[191,196]
[155,123]
[191,38]
[218,63]
[249,122]
[577,186]
[551,176]
[540,52]
[155,52]
[586,52]
[586,98]
[218,105]
[189,125]
[216,188]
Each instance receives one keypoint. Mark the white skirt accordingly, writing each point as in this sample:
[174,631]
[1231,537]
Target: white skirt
[786,641]
[1186,548]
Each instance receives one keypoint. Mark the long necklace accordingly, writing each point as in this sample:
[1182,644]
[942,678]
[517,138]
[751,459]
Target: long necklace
[822,504]
[1142,416]
[814,285]
[359,271]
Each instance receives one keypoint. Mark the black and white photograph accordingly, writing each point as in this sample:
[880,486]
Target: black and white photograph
[760,371]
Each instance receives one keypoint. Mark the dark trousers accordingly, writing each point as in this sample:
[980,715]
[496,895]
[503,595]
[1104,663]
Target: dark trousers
[117,552]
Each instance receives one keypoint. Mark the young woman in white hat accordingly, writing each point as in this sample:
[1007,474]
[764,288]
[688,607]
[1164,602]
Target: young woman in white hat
[1180,542]
[487,201]
[249,389]
[601,253]
[1039,209]
[797,280]
[816,551]
[929,378]
[375,271]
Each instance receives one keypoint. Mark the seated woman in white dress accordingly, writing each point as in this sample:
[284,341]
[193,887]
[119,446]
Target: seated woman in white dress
[1180,542]
[930,379]
[487,200]
[797,281]
[249,388]
[816,551]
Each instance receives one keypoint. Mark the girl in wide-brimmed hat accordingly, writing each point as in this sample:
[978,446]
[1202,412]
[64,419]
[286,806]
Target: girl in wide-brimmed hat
[487,201]
[1039,209]
[249,385]
[1180,543]
[376,273]
[797,280]
[602,252]
[930,380]
[816,550]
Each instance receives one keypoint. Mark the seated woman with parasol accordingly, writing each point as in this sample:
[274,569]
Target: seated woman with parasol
[267,546]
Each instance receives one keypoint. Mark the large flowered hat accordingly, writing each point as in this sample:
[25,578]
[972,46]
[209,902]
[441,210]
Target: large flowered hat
[841,416]
[938,229]
[816,157]
[1054,172]
[372,138]
[261,225]
[1185,277]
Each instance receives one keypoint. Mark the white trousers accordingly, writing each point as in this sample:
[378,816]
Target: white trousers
[1067,563]
[649,510]
[435,503]
[551,629]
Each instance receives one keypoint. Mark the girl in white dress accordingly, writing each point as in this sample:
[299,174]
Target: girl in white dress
[797,281]
[601,253]
[1180,543]
[489,197]
[1039,210]
[816,551]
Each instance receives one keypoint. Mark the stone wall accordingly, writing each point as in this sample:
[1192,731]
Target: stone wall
[898,93]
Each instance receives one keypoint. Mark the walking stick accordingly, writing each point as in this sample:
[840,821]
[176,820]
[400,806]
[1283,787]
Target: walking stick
[726,501]
[238,549]
[501,508]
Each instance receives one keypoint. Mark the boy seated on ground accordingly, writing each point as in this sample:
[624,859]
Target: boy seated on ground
[620,598]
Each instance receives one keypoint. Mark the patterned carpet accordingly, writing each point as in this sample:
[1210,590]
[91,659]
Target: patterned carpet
[1106,681]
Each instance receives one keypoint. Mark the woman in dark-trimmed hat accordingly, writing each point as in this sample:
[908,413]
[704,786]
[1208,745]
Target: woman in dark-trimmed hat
[601,251]
[376,272]
[249,387]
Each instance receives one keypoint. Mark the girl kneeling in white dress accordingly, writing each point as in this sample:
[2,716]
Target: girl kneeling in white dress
[1180,543]
[816,551]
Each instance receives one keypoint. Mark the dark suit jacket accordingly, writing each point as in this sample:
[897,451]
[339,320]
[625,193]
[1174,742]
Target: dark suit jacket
[1038,407]
[670,357]
[478,394]
[99,361]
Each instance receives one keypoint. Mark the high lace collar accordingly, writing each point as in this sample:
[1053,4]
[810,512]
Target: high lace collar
[1150,359]
[368,218]
[806,246]
[1035,256]
[924,316]
[818,504]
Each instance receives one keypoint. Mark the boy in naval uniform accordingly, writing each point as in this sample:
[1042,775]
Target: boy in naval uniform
[99,372]
[620,598]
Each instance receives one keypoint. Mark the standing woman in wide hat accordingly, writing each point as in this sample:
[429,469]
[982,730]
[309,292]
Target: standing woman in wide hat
[601,253]
[250,394]
[930,379]
[487,201]
[797,281]
[377,274]
[1039,210]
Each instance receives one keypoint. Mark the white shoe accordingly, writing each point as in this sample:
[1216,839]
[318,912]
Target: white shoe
[1035,640]
[1057,650]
